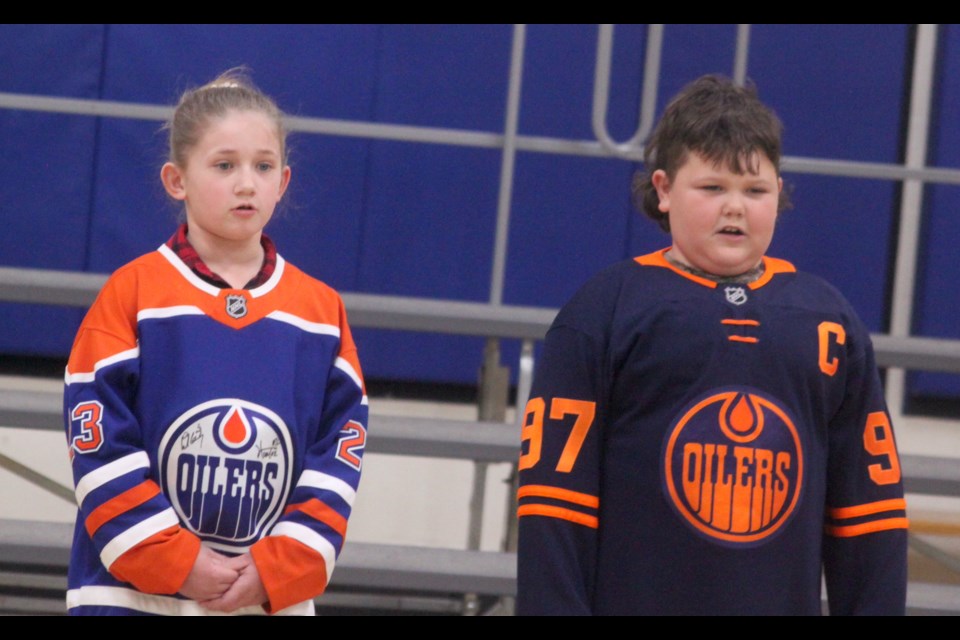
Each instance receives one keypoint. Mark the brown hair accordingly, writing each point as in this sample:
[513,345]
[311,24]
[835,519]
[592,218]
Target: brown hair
[230,91]
[721,121]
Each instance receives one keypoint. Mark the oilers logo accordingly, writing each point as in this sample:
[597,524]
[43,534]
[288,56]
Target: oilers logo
[225,466]
[733,466]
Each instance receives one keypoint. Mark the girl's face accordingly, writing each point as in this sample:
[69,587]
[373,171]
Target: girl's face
[233,179]
[721,221]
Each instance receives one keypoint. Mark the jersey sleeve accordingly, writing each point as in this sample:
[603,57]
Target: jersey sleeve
[559,477]
[128,519]
[865,542]
[297,559]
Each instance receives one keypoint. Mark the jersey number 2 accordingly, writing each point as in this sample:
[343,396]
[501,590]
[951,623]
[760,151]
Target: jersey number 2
[559,409]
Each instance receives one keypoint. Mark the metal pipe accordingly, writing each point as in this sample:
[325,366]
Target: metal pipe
[648,99]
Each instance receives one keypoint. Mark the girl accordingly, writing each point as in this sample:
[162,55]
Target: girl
[214,405]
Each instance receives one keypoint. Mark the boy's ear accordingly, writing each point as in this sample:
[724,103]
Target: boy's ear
[172,179]
[661,182]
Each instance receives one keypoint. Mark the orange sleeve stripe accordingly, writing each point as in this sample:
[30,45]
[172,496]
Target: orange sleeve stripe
[321,513]
[122,503]
[291,571]
[161,563]
[558,512]
[867,527]
[749,323]
[896,504]
[544,491]
[742,339]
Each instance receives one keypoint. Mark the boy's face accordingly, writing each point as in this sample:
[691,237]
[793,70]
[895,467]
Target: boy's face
[721,222]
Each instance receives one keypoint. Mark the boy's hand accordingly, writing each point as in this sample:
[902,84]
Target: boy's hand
[247,590]
[211,576]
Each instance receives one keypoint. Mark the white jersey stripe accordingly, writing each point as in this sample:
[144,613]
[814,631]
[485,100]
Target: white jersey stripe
[88,376]
[306,325]
[137,534]
[310,538]
[274,280]
[317,480]
[111,471]
[348,369]
[166,605]
[185,271]
[169,312]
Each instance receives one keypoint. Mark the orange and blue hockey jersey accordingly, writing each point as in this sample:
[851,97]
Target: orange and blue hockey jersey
[701,448]
[199,415]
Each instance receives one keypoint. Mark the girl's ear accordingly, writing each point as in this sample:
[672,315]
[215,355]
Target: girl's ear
[661,182]
[284,181]
[172,178]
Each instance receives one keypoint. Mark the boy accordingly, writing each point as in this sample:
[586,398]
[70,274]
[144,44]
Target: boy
[707,427]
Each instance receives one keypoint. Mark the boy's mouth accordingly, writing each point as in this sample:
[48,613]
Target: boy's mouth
[733,231]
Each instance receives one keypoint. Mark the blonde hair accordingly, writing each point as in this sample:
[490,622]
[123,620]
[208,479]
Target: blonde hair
[230,91]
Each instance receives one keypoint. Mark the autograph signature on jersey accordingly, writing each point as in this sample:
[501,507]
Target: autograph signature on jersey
[193,437]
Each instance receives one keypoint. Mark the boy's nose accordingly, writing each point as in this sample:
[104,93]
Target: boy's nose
[733,206]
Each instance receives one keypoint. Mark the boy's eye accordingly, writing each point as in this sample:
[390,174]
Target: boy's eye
[223,166]
[264,166]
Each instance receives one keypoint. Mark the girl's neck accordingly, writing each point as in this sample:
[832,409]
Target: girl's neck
[237,262]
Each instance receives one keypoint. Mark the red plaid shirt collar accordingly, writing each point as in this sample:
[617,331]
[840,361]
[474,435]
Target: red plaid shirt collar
[180,245]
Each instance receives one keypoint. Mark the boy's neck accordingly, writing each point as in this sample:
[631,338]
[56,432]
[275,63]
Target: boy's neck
[746,277]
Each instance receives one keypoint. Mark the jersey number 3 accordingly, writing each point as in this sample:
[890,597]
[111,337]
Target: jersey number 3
[583,411]
[90,417]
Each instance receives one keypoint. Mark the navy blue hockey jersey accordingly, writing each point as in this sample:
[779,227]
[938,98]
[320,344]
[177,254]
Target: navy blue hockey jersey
[695,448]
[235,418]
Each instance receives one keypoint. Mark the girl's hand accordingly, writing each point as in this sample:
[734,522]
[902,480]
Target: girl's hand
[211,576]
[246,591]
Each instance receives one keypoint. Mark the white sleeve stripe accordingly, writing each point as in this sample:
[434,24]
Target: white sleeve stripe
[111,471]
[137,534]
[306,325]
[88,376]
[317,480]
[169,312]
[364,400]
[347,368]
[310,538]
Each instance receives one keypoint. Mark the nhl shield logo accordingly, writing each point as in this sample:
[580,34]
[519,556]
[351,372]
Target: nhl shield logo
[735,295]
[237,306]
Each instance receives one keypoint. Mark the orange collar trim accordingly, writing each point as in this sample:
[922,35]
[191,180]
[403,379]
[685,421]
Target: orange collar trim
[771,267]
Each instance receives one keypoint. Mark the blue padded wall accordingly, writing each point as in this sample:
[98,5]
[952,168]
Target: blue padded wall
[413,219]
